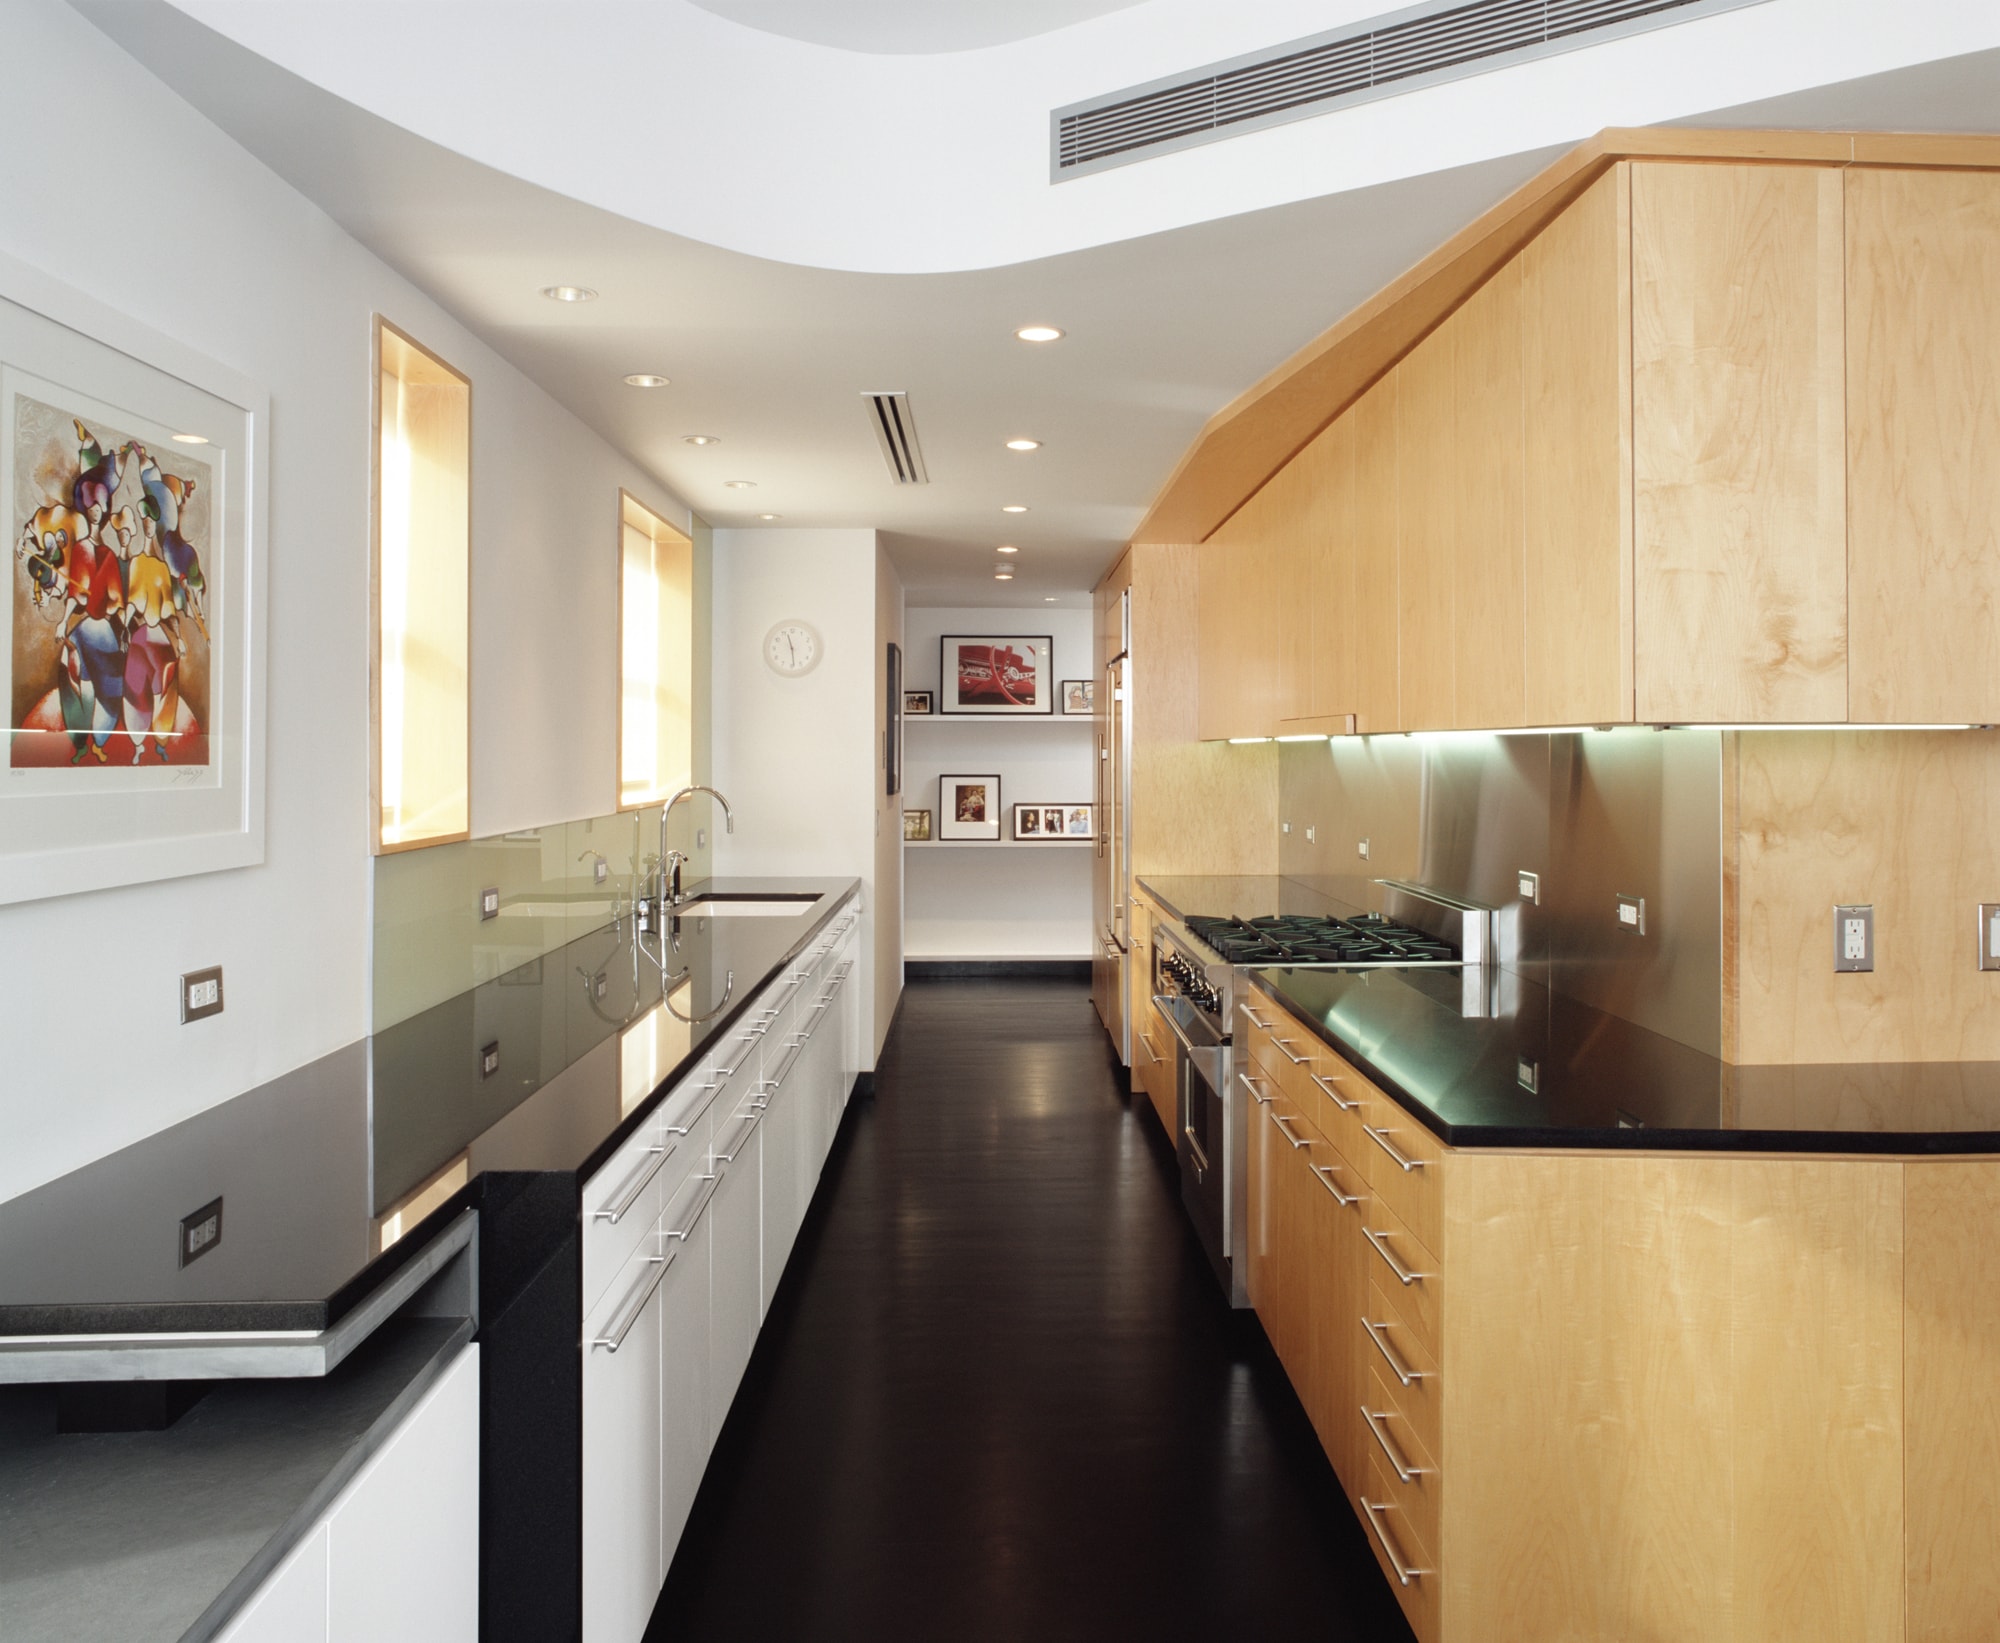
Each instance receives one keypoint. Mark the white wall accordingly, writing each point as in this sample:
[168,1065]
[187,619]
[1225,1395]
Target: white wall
[1032,901]
[135,199]
[800,759]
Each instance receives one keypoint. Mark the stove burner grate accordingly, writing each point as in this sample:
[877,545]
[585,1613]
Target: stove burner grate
[1294,938]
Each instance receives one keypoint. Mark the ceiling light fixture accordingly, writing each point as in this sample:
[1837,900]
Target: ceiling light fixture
[1048,598]
[770,516]
[569,293]
[1007,547]
[700,439]
[645,379]
[1039,333]
[1024,444]
[190,439]
[1003,576]
[739,484]
[1014,507]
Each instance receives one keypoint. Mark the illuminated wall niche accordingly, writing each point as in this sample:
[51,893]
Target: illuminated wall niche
[656,656]
[421,587]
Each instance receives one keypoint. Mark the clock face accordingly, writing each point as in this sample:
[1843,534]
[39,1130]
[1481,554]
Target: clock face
[792,648]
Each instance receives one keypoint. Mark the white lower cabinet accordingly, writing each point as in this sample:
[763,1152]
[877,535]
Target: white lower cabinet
[624,1556]
[395,1559]
[735,1260]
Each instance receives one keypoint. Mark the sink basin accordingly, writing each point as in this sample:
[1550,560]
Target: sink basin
[743,906]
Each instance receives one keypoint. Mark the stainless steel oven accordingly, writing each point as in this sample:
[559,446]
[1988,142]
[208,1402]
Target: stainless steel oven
[1208,1140]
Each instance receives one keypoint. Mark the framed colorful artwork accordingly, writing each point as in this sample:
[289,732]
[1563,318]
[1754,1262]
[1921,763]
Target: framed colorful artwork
[996,674]
[1079,696]
[133,481]
[969,807]
[917,703]
[916,827]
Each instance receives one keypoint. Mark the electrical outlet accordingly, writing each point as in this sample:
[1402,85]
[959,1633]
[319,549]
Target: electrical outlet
[489,1059]
[1310,834]
[701,838]
[1284,827]
[600,870]
[201,994]
[1632,914]
[1989,935]
[201,1231]
[1361,848]
[1853,937]
[600,984]
[489,903]
[1528,1074]
[1531,887]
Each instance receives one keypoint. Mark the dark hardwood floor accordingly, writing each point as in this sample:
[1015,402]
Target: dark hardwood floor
[999,1395]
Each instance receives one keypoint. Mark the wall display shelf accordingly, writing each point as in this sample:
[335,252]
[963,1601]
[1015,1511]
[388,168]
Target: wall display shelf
[1040,721]
[998,844]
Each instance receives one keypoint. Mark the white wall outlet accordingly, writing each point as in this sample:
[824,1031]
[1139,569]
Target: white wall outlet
[1854,937]
[600,870]
[201,994]
[701,838]
[1632,914]
[1531,887]
[489,903]
[1310,834]
[1989,935]
[1284,827]
[1361,848]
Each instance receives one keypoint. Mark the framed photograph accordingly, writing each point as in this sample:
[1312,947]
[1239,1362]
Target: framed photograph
[917,703]
[986,674]
[1080,821]
[892,750]
[133,480]
[916,827]
[1079,696]
[1050,823]
[969,807]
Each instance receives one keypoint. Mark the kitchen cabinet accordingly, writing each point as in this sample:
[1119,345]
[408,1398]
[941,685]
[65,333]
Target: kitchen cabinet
[623,1447]
[1625,1395]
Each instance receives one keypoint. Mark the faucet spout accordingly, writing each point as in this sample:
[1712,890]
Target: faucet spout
[669,886]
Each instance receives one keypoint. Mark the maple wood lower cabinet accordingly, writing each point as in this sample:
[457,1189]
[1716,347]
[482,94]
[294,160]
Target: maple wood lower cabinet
[686,1235]
[1624,1395]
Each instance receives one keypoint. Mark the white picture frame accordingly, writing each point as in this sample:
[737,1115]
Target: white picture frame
[102,822]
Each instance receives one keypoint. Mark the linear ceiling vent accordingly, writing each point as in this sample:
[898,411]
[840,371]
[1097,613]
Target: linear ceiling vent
[1402,51]
[896,429]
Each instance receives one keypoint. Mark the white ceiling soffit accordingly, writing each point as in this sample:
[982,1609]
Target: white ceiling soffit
[1388,56]
[773,146]
[896,27]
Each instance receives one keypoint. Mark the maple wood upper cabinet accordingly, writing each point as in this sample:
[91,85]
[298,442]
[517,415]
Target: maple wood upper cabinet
[1923,427]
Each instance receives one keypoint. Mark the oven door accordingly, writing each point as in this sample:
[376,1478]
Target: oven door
[1201,1142]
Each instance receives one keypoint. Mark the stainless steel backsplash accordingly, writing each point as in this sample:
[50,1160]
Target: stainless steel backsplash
[1594,816]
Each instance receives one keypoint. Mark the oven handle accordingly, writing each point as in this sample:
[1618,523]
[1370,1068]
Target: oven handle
[1164,1003]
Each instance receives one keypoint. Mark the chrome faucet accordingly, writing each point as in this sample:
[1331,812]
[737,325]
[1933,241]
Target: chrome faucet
[668,888]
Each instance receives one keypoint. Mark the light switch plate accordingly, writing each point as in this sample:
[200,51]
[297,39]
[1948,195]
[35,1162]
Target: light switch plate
[1361,848]
[600,870]
[201,1231]
[1989,935]
[489,1059]
[489,903]
[1853,937]
[1632,914]
[201,994]
[1528,1074]
[1531,887]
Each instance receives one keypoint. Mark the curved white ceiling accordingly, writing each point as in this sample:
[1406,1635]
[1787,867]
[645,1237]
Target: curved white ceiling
[898,26]
[668,114]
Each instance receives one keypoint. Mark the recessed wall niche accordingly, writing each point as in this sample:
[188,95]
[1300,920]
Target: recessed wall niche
[421,589]
[656,656]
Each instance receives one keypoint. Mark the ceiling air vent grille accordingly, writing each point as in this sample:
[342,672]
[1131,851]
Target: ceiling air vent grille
[896,431]
[1445,40]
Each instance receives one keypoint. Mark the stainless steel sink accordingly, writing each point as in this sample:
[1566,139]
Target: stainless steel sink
[772,906]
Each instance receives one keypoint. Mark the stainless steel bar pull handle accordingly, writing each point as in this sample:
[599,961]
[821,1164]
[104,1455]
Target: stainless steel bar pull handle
[1285,1129]
[1252,1085]
[635,1303]
[695,1211]
[1403,1160]
[1329,1179]
[1285,1049]
[1256,1018]
[1332,1094]
[1379,1334]
[1378,1425]
[1194,1146]
[1405,1573]
[725,1152]
[1404,1275]
[635,1188]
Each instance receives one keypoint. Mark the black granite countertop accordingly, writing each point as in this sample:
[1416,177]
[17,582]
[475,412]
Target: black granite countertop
[315,1167]
[1540,1070]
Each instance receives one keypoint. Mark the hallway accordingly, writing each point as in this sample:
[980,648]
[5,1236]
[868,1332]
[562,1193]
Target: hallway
[999,1395]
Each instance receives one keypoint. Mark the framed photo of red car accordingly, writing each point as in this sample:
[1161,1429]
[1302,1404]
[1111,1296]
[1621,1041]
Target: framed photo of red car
[969,807]
[983,675]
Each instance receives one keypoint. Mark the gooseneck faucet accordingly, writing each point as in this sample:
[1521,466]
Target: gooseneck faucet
[668,888]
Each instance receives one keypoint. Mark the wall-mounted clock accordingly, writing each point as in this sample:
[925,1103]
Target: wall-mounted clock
[792,648]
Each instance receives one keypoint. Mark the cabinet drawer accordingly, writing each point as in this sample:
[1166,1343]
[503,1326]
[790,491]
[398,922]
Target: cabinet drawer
[1404,1161]
[1405,1272]
[623,1199]
[1411,1571]
[1334,1097]
[1391,1347]
[1410,1476]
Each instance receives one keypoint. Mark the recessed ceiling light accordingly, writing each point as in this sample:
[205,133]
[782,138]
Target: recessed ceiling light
[645,379]
[1039,333]
[739,484]
[1048,598]
[190,439]
[770,516]
[1024,444]
[700,439]
[1014,507]
[569,293]
[1007,548]
[1003,576]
